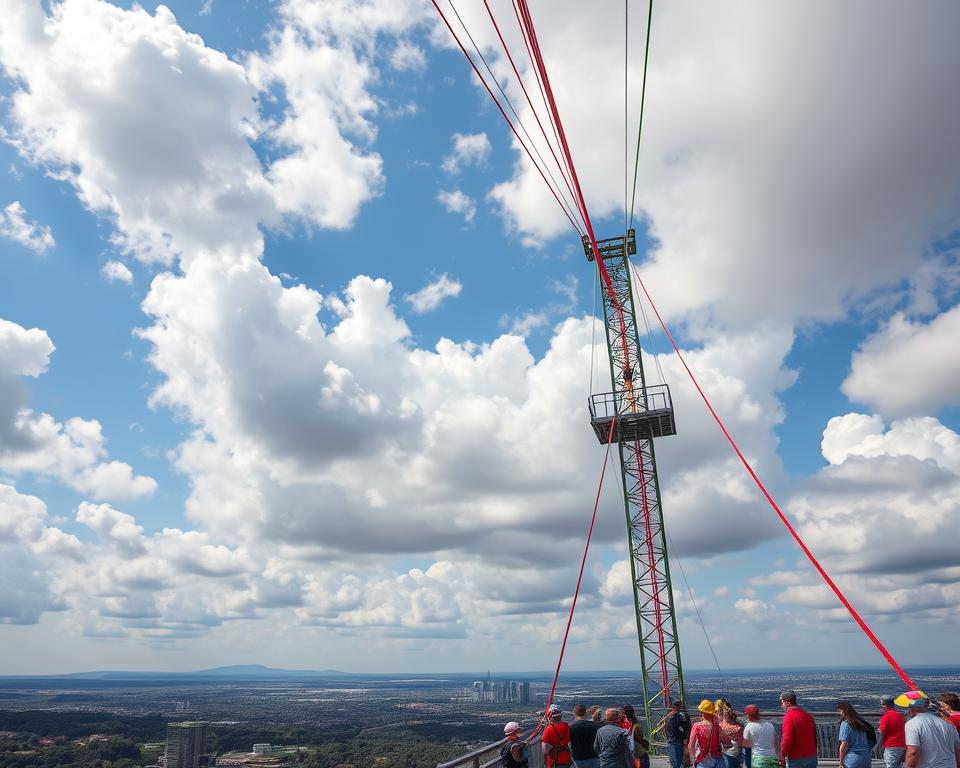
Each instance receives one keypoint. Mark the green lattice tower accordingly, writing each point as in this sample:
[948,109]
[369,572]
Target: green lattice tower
[642,414]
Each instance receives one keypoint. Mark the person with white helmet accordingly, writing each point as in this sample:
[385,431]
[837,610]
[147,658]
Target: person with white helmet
[513,754]
[555,741]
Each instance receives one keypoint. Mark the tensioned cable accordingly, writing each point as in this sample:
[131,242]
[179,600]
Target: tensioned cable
[693,600]
[509,103]
[776,507]
[626,102]
[706,635]
[502,112]
[646,324]
[593,332]
[643,93]
[566,205]
[523,87]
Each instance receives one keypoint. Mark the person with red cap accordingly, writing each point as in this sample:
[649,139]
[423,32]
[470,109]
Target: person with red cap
[760,737]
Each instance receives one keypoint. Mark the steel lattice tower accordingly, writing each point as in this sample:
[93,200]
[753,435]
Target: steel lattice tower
[639,414]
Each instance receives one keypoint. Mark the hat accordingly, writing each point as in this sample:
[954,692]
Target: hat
[912,699]
[511,727]
[707,707]
[553,711]
[886,701]
[751,710]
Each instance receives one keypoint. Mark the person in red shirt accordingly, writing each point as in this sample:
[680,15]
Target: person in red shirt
[555,741]
[798,748]
[892,737]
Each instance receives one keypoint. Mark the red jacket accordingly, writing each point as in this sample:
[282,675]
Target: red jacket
[799,734]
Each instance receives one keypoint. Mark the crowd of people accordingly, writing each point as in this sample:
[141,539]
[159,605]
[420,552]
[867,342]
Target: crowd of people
[613,738]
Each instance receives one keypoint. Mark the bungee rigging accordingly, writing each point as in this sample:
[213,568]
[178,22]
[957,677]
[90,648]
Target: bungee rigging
[629,424]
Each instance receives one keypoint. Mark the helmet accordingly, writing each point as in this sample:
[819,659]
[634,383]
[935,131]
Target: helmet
[511,727]
[553,711]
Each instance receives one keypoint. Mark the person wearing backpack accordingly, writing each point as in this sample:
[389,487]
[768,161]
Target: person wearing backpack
[513,754]
[555,741]
[677,729]
[857,738]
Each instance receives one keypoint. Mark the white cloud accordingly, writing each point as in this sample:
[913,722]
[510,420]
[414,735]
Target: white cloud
[433,294]
[72,452]
[117,270]
[23,352]
[469,149]
[725,125]
[407,57]
[882,518]
[903,369]
[456,201]
[30,234]
[78,111]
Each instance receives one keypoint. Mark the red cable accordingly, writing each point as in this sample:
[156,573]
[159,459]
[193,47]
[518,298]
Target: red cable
[534,46]
[576,592]
[776,508]
[482,80]
[523,87]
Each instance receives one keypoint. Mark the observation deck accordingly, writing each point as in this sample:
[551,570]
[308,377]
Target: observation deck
[642,413]
[828,745]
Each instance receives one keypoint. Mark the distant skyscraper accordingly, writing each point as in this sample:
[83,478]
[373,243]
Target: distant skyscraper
[185,743]
[525,693]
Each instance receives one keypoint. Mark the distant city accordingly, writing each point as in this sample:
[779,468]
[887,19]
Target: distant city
[501,691]
[257,716]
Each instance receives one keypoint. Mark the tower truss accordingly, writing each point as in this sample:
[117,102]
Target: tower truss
[639,413]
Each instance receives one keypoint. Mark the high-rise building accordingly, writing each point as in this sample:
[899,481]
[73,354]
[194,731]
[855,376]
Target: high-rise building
[186,742]
[525,693]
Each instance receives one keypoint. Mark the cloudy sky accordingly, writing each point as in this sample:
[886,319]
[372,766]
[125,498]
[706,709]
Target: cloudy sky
[295,347]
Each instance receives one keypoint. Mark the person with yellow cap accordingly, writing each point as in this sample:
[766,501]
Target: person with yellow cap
[707,739]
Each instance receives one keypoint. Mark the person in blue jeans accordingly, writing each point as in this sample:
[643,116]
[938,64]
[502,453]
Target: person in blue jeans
[677,730]
[855,746]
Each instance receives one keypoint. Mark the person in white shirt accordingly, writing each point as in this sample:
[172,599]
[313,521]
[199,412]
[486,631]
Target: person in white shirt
[932,742]
[760,737]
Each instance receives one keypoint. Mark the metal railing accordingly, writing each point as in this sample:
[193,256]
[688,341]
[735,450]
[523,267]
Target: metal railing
[828,744]
[606,405]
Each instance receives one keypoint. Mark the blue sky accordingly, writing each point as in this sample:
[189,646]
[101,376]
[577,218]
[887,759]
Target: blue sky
[300,463]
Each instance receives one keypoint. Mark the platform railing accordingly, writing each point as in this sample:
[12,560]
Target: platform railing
[828,743]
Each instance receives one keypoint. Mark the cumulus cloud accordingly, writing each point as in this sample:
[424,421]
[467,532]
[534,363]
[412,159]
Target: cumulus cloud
[74,452]
[30,234]
[23,352]
[78,111]
[902,369]
[881,517]
[407,57]
[469,149]
[115,271]
[727,124]
[456,201]
[433,294]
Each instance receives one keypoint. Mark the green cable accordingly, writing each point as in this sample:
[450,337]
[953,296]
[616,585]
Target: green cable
[643,93]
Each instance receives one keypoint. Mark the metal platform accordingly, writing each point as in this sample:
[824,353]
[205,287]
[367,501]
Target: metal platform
[612,246]
[641,414]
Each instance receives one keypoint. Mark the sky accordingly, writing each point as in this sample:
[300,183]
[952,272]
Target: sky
[295,346]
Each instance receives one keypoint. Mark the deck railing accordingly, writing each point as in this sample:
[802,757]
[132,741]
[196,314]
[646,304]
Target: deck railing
[828,744]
